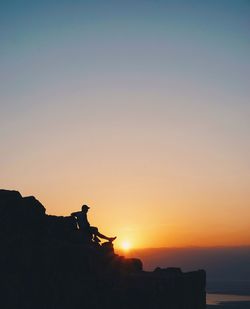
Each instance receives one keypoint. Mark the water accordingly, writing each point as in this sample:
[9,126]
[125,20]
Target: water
[228,301]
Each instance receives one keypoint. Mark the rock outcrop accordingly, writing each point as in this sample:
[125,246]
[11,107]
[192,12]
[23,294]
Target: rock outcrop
[46,264]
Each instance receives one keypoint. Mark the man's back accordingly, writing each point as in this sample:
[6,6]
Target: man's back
[81,218]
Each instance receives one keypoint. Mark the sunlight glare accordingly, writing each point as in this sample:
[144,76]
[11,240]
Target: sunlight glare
[126,245]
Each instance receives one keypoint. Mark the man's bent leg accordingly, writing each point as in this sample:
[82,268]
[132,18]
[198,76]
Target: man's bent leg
[95,232]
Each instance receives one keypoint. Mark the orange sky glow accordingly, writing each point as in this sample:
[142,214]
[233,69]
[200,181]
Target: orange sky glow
[139,109]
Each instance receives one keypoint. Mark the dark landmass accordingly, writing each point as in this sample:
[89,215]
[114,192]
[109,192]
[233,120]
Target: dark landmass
[46,263]
[227,268]
[221,263]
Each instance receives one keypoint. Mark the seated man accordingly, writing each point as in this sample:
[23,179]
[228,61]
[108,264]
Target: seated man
[84,226]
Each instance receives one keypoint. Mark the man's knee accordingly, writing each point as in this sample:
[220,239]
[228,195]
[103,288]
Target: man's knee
[94,230]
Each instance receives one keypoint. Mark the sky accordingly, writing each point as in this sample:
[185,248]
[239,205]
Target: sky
[139,109]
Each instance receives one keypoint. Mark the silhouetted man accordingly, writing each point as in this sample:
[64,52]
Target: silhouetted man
[84,226]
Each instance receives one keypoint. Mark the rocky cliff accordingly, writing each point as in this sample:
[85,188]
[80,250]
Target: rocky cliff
[46,264]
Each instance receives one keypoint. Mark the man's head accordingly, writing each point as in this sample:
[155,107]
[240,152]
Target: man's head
[85,208]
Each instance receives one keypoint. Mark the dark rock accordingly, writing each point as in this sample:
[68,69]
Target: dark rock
[169,271]
[47,263]
[132,265]
[7,194]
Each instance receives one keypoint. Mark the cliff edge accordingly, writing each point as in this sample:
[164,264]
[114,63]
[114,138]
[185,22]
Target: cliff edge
[46,264]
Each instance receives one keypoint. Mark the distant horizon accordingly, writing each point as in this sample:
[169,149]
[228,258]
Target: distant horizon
[187,247]
[222,264]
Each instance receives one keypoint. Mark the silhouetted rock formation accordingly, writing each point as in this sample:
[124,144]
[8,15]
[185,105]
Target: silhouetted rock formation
[46,264]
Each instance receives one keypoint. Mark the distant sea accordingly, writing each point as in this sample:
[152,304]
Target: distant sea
[228,301]
[228,294]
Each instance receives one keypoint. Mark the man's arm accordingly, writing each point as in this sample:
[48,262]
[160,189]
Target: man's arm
[74,214]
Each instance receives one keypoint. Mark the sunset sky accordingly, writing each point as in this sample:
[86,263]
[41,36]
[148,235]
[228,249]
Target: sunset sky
[139,109]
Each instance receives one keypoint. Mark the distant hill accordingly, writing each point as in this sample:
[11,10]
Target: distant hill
[227,268]
[225,263]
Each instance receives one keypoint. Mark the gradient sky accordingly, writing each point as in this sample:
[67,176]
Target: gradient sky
[138,108]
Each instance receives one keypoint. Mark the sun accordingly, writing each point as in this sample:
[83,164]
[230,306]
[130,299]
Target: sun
[126,245]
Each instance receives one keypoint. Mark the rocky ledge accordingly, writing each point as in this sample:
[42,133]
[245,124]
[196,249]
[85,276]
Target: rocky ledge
[46,264]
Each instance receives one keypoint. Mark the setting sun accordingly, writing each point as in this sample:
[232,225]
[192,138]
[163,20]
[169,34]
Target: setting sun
[126,245]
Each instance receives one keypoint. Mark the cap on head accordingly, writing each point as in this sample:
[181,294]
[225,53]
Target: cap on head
[85,207]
